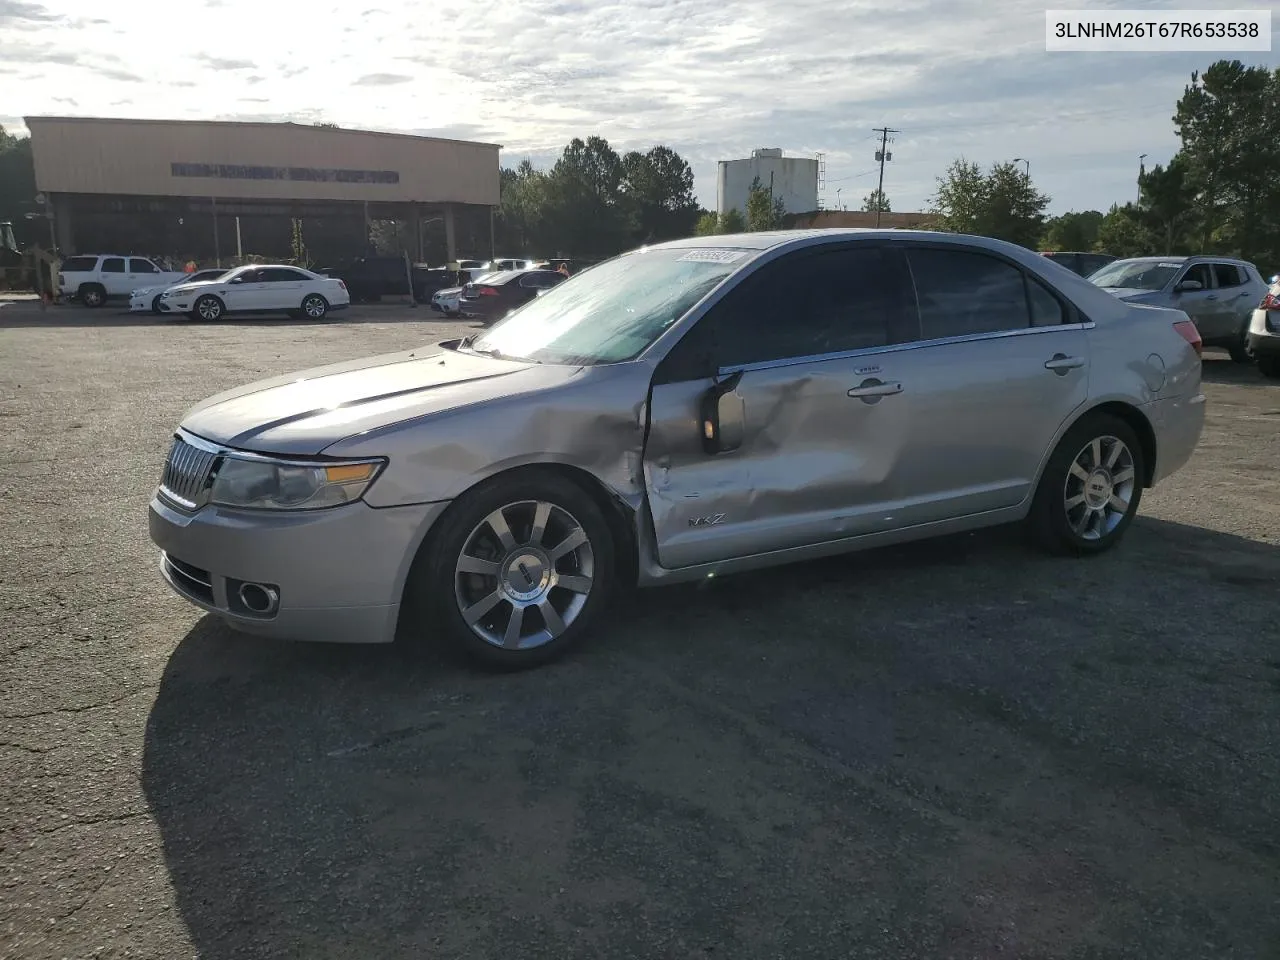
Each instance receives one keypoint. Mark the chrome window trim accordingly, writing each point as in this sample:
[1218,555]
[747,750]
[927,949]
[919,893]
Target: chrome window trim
[900,347]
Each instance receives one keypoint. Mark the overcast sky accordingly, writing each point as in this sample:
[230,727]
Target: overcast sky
[708,78]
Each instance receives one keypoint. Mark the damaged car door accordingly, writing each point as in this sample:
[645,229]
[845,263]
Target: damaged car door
[771,424]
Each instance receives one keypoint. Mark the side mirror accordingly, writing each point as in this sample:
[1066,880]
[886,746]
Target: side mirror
[723,415]
[1187,286]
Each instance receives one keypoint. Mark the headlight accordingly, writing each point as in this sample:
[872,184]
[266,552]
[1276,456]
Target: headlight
[271,485]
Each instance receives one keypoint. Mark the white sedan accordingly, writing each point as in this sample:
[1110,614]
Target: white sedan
[446,301]
[147,300]
[260,288]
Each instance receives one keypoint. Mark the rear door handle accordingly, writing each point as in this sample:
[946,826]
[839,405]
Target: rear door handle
[1061,363]
[870,391]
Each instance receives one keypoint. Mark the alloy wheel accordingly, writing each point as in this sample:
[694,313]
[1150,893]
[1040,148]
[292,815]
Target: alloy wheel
[524,575]
[209,309]
[314,307]
[1099,487]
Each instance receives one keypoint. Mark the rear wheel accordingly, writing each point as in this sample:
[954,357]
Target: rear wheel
[1239,350]
[314,306]
[519,570]
[92,295]
[1091,488]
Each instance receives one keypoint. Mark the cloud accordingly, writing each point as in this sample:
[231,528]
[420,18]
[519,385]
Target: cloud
[16,10]
[112,73]
[383,79]
[222,63]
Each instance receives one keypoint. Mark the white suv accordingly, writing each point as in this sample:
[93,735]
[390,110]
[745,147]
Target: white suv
[96,278]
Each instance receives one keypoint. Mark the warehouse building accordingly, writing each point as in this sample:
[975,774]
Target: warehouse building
[216,190]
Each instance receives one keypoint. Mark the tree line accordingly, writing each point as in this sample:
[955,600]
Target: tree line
[1219,194]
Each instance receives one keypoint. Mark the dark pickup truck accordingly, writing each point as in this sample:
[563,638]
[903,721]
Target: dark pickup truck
[372,278]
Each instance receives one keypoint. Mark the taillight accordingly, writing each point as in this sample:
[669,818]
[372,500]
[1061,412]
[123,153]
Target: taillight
[1270,302]
[1191,335]
[342,284]
[487,291]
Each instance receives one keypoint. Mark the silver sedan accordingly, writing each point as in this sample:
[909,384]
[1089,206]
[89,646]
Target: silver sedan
[683,411]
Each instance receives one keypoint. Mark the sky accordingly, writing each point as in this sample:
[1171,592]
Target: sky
[711,80]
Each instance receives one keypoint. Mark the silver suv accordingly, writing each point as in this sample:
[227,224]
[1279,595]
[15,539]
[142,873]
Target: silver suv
[1218,294]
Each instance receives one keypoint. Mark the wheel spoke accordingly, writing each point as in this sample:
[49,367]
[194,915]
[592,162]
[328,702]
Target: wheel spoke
[575,583]
[1123,476]
[1118,504]
[1081,524]
[1073,502]
[511,639]
[498,524]
[1117,448]
[1079,472]
[569,544]
[541,514]
[478,609]
[1096,449]
[555,625]
[485,568]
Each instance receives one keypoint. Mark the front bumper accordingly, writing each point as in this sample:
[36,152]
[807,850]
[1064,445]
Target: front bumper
[339,573]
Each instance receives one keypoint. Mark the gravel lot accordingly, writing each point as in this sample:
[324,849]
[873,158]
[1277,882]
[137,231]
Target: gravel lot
[958,749]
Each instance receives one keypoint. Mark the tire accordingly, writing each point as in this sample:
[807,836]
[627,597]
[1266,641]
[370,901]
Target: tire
[1269,367]
[92,295]
[155,304]
[1239,350]
[469,569]
[208,308]
[1069,514]
[314,306]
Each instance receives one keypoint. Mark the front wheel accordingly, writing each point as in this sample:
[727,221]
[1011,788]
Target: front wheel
[1091,487]
[155,304]
[1269,367]
[315,306]
[208,308]
[520,569]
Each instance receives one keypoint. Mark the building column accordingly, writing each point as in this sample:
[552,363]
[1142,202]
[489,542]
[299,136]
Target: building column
[450,235]
[62,225]
[415,224]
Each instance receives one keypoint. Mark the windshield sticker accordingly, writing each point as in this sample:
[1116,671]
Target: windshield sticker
[714,256]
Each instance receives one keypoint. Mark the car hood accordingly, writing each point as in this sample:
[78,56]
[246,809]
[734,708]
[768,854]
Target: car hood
[190,287]
[1134,293]
[303,413]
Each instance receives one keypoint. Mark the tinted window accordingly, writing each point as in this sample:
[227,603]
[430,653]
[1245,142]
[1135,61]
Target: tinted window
[138,265]
[962,293]
[1046,310]
[249,276]
[1090,264]
[806,305]
[1228,275]
[1201,274]
[113,265]
[202,275]
[279,275]
[80,265]
[539,281]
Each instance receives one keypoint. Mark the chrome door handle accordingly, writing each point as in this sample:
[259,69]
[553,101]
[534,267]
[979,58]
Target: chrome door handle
[872,390]
[1061,363]
[1212,296]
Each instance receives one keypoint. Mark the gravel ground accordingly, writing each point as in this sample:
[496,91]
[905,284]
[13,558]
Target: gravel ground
[957,749]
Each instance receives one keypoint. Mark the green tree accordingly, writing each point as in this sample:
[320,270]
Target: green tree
[708,225]
[733,222]
[1122,233]
[584,214]
[18,191]
[875,202]
[764,212]
[1002,203]
[1168,206]
[1072,231]
[658,186]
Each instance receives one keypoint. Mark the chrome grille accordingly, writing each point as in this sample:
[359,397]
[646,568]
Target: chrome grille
[186,474]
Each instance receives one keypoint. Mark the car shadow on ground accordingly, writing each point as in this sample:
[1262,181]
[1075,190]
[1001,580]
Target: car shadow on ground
[952,748]
[1222,369]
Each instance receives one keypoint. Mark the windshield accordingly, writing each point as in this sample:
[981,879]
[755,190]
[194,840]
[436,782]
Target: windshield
[614,311]
[1136,274]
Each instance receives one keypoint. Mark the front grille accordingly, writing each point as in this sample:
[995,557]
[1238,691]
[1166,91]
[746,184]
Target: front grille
[186,474]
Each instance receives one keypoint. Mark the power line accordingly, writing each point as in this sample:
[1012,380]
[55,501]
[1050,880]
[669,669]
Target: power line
[882,155]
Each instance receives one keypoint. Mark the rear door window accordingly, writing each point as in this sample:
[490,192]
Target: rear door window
[113,265]
[966,293]
[1228,275]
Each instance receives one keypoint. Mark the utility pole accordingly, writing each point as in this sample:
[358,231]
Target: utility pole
[882,155]
[1142,169]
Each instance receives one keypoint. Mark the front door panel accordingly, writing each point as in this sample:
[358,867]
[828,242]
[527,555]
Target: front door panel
[815,464]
